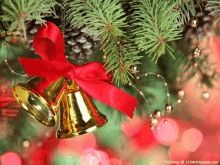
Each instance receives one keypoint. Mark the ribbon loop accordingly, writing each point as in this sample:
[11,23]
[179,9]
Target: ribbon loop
[91,77]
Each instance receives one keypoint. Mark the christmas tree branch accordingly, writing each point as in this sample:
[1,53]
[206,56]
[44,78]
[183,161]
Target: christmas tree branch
[214,6]
[18,12]
[106,19]
[186,8]
[154,26]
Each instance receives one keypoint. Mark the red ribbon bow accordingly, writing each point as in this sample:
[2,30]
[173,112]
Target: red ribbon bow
[92,77]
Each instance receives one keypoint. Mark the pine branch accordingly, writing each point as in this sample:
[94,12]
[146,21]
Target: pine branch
[1,29]
[18,12]
[1,23]
[106,19]
[214,6]
[154,26]
[186,8]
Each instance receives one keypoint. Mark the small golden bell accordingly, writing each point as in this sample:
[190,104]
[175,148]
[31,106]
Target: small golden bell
[78,114]
[39,100]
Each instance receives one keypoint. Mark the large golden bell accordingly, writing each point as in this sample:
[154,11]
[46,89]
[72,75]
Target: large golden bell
[78,114]
[41,98]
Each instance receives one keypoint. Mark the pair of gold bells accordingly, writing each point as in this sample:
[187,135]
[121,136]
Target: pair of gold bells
[78,114]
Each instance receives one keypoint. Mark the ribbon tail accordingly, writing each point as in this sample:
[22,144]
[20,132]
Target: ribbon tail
[110,95]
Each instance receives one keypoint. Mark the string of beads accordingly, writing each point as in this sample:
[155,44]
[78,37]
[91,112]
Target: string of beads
[157,113]
[12,70]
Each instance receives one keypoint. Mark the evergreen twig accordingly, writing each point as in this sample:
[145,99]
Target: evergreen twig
[214,7]
[18,12]
[186,8]
[154,26]
[106,19]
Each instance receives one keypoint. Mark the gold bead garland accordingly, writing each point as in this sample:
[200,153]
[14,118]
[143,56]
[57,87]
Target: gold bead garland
[195,57]
[6,61]
[203,69]
[12,70]
[157,113]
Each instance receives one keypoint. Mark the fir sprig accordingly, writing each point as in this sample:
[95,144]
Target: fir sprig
[18,12]
[214,6]
[186,8]
[154,26]
[106,19]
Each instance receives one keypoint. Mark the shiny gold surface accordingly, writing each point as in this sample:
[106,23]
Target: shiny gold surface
[41,107]
[78,115]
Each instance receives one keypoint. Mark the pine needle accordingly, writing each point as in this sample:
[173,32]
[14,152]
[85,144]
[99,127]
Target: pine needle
[107,20]
[153,26]
[18,12]
[214,7]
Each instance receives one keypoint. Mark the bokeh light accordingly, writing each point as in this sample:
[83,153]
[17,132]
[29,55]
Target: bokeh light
[77,144]
[167,132]
[210,156]
[144,140]
[132,126]
[41,156]
[115,161]
[11,158]
[177,152]
[158,156]
[94,157]
[212,113]
[192,139]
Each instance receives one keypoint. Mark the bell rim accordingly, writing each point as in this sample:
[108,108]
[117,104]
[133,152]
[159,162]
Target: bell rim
[51,123]
[70,135]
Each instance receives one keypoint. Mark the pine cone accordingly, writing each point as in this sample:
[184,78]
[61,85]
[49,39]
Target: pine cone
[78,46]
[205,23]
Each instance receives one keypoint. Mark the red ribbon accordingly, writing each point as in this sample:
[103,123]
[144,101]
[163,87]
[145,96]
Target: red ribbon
[92,77]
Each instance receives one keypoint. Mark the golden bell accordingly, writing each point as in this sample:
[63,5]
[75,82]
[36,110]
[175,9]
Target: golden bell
[78,114]
[41,97]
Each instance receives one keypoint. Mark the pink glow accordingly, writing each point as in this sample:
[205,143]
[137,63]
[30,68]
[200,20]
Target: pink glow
[115,161]
[41,156]
[212,114]
[77,144]
[11,158]
[167,133]
[145,137]
[132,127]
[177,152]
[210,156]
[94,157]
[206,111]
[157,157]
[85,141]
[144,141]
[191,139]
